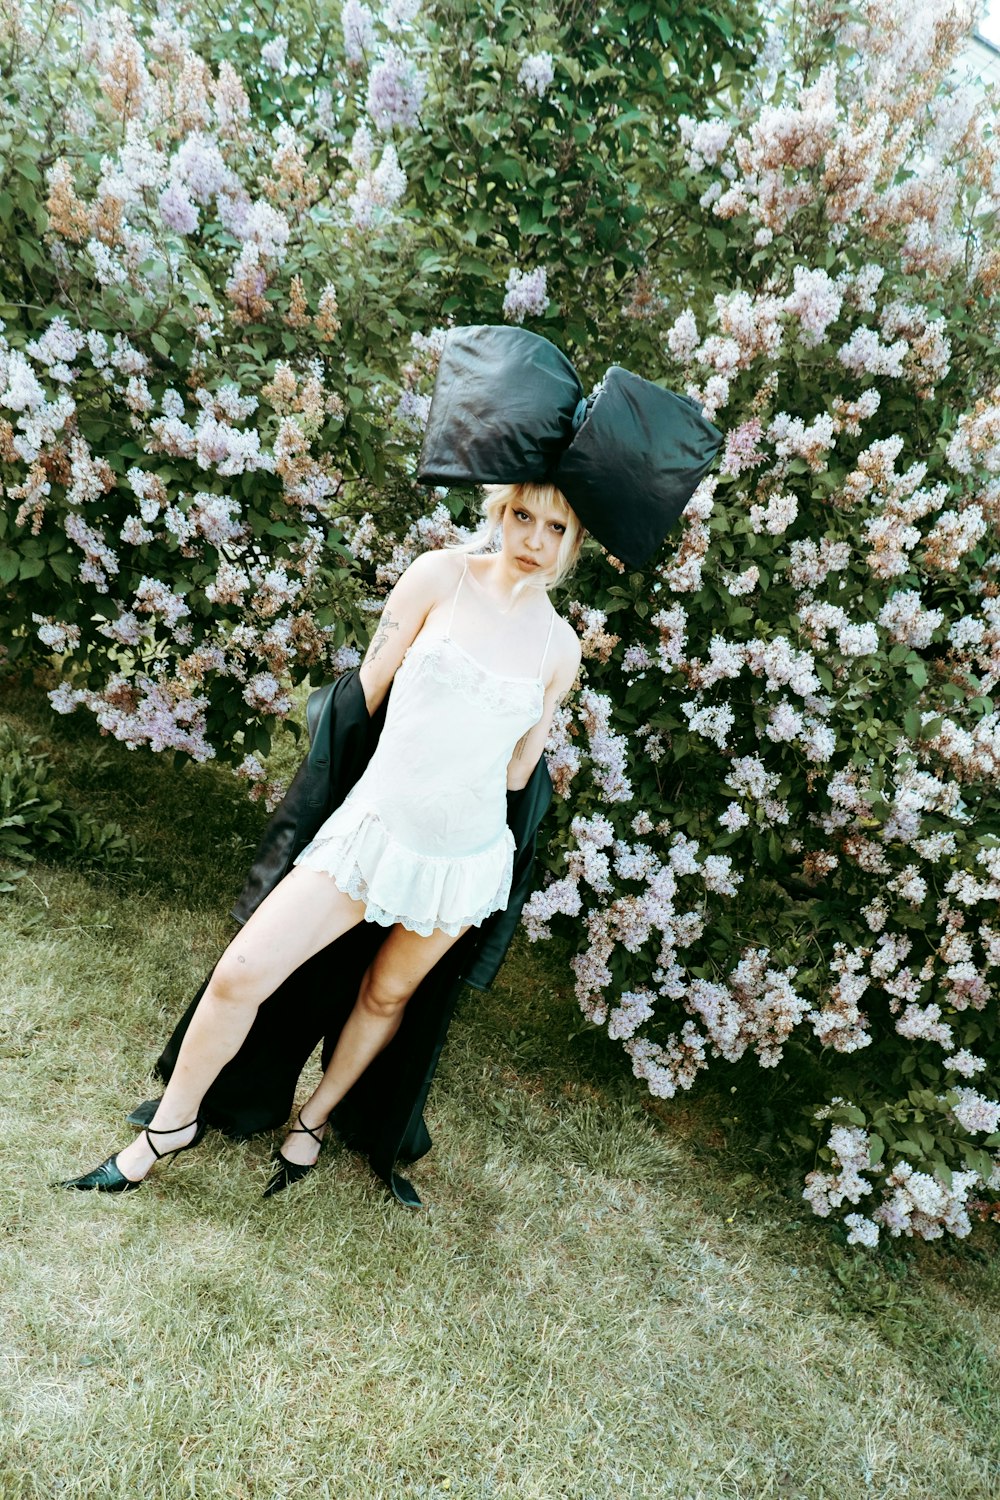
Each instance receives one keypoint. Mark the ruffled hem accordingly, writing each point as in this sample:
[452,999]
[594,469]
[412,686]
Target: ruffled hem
[422,892]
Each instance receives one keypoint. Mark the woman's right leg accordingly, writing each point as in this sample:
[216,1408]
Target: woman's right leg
[303,913]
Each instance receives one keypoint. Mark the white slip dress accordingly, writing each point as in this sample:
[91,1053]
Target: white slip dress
[422,836]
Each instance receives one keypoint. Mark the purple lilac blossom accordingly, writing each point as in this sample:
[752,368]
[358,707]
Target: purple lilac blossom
[396,88]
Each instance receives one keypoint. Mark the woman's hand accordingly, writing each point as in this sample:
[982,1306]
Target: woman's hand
[406,609]
[528,749]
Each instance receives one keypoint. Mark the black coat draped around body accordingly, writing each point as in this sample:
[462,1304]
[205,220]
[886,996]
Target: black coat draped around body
[382,1114]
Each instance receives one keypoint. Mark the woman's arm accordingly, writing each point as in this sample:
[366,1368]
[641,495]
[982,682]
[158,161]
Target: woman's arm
[529,748]
[406,609]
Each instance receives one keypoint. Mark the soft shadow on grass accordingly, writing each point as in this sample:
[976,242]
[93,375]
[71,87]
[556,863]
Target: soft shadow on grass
[608,1297]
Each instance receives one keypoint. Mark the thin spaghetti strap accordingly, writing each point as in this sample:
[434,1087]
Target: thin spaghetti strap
[454,597]
[547,639]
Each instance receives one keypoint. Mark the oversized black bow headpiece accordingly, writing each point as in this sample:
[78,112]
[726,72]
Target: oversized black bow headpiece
[508,408]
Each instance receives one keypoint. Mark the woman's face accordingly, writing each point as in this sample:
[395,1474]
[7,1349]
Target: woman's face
[532,536]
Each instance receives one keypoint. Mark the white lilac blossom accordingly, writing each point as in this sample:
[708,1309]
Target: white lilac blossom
[683,337]
[815,302]
[358,26]
[526,294]
[536,73]
[776,516]
[57,636]
[273,55]
[704,141]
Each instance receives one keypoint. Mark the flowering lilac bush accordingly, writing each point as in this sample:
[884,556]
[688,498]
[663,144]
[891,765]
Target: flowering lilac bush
[781,835]
[229,261]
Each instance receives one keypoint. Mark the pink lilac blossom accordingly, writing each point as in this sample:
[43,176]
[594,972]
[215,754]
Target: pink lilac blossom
[127,629]
[743,583]
[526,294]
[975,444]
[953,534]
[134,533]
[59,344]
[742,451]
[19,388]
[726,659]
[137,169]
[781,665]
[633,1008]
[636,659]
[396,88]
[263,692]
[671,624]
[377,192]
[923,1023]
[965,1063]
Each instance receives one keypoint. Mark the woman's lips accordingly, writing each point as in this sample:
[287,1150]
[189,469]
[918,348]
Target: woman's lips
[526,562]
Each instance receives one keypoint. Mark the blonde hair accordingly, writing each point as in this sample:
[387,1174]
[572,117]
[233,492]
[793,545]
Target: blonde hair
[544,496]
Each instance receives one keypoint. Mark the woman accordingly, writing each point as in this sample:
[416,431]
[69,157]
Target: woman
[479,661]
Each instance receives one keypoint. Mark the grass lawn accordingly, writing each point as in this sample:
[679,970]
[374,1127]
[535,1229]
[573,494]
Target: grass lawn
[610,1296]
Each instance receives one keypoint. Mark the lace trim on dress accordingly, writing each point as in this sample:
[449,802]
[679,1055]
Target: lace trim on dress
[474,677]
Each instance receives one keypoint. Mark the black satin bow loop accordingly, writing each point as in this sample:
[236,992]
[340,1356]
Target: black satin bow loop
[508,408]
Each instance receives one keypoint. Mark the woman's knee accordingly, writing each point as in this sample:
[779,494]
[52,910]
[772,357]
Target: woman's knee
[235,980]
[384,993]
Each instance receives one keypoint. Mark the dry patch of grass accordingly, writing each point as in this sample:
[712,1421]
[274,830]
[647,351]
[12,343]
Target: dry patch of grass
[607,1299]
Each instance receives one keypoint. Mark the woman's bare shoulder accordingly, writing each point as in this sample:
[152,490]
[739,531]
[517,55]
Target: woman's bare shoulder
[566,652]
[434,572]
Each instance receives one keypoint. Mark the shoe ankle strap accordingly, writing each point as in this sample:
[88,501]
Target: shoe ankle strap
[303,1129]
[171,1130]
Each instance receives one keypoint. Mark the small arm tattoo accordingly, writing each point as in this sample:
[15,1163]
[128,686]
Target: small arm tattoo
[519,747]
[381,636]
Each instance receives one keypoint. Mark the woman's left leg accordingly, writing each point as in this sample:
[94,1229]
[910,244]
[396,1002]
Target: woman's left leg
[402,961]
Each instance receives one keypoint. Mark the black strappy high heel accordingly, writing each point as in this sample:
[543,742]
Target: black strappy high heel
[108,1179]
[286,1172]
